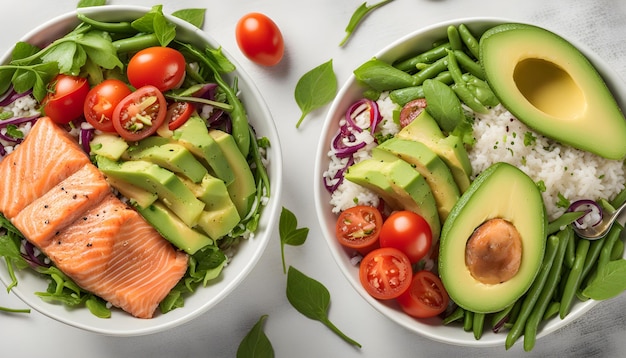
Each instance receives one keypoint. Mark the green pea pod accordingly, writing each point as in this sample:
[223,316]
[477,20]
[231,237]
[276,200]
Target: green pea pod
[469,40]
[382,76]
[460,87]
[468,321]
[429,56]
[432,71]
[405,95]
[478,324]
[481,90]
[469,64]
[454,38]
[574,278]
[123,27]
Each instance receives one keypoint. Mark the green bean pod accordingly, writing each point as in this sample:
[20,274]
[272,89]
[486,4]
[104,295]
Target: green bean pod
[552,310]
[469,40]
[534,291]
[123,27]
[478,324]
[468,321]
[458,314]
[135,43]
[574,278]
[592,256]
[402,96]
[469,64]
[618,250]
[570,253]
[460,87]
[431,71]
[430,56]
[619,199]
[454,38]
[565,219]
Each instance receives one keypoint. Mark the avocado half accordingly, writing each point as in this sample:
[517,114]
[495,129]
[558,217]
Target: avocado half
[502,191]
[549,85]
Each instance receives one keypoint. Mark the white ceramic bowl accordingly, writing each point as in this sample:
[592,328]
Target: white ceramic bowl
[248,252]
[351,91]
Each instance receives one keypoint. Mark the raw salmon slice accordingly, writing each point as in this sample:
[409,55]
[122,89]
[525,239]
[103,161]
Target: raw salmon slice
[60,206]
[112,252]
[47,156]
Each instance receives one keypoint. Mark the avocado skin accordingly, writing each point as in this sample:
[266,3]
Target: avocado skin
[501,191]
[550,86]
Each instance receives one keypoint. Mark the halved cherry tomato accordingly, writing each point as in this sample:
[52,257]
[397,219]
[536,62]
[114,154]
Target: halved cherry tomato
[408,232]
[161,67]
[426,296]
[411,110]
[385,273]
[102,100]
[358,228]
[140,113]
[64,102]
[260,39]
[178,113]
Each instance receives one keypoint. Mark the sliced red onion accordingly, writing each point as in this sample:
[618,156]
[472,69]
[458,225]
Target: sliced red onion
[30,256]
[11,96]
[592,210]
[18,120]
[85,138]
[345,148]
[338,176]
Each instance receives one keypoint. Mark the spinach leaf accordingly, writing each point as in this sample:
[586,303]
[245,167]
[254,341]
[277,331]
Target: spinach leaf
[192,16]
[609,281]
[382,76]
[443,104]
[256,344]
[155,22]
[312,299]
[315,89]
[358,15]
[87,3]
[289,232]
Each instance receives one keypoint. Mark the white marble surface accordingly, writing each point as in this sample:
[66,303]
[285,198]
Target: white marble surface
[312,31]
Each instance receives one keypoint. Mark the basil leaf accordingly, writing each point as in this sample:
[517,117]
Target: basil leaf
[289,232]
[315,89]
[312,299]
[163,29]
[609,281]
[358,15]
[256,344]
[382,76]
[192,16]
[87,3]
[443,104]
[100,49]
[64,54]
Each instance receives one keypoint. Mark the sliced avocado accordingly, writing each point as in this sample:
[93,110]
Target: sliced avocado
[194,136]
[399,185]
[502,191]
[211,191]
[430,166]
[171,156]
[450,149]
[138,197]
[173,229]
[162,182]
[243,188]
[219,222]
[111,146]
[549,85]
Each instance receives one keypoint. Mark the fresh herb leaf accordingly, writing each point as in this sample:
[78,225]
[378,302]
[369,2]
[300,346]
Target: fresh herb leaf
[87,3]
[609,281]
[256,344]
[443,104]
[315,89]
[358,16]
[155,22]
[289,232]
[192,16]
[382,76]
[562,201]
[14,132]
[312,299]
[97,307]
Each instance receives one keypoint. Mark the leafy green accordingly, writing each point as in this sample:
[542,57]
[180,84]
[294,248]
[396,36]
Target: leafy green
[154,21]
[87,3]
[609,281]
[443,104]
[382,76]
[192,16]
[256,344]
[315,89]
[358,15]
[312,299]
[289,232]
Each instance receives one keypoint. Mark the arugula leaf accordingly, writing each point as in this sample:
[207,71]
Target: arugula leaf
[312,299]
[289,233]
[87,3]
[609,281]
[358,15]
[315,89]
[192,16]
[256,344]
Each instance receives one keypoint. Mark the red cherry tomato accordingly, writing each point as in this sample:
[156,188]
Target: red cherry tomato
[260,39]
[385,273]
[426,297]
[102,100]
[358,228]
[178,113]
[140,113]
[161,67]
[64,102]
[407,232]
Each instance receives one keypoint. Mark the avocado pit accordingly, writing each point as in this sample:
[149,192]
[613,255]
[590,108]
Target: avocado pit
[493,253]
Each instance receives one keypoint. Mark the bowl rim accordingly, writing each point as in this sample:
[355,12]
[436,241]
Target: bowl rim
[249,94]
[428,328]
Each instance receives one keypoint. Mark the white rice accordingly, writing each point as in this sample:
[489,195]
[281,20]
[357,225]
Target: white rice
[25,106]
[567,174]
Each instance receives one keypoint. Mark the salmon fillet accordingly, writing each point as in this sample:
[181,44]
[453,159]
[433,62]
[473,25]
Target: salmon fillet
[60,206]
[112,252]
[26,174]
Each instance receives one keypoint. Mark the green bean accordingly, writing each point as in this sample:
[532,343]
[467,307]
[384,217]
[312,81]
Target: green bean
[498,317]
[135,43]
[468,320]
[517,306]
[115,27]
[607,247]
[431,71]
[574,278]
[570,253]
[592,256]
[469,40]
[549,288]
[561,221]
[618,250]
[454,316]
[533,292]
[619,199]
[460,87]
[552,310]
[430,56]
[454,38]
[405,95]
[478,324]
[469,64]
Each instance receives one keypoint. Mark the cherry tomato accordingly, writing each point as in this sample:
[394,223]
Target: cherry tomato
[385,273]
[140,113]
[358,228]
[102,100]
[161,67]
[178,113]
[64,102]
[411,110]
[407,232]
[260,39]
[426,296]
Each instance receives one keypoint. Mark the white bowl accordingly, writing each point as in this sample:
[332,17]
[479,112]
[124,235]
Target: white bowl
[248,252]
[351,91]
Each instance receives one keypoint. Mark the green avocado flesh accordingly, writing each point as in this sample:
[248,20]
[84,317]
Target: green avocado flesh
[552,87]
[502,191]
